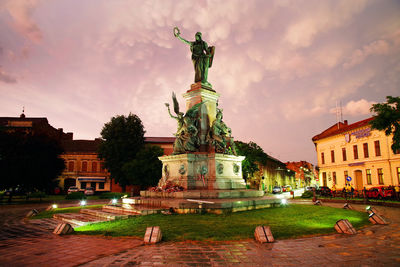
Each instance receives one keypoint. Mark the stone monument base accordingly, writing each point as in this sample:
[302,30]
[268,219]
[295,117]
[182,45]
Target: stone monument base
[206,171]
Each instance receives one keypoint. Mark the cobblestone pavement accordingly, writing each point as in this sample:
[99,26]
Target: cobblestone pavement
[373,246]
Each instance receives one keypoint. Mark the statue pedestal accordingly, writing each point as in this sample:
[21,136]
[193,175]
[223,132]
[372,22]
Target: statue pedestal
[197,94]
[212,171]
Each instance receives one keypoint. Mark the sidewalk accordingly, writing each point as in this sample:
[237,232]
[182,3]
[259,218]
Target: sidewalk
[373,246]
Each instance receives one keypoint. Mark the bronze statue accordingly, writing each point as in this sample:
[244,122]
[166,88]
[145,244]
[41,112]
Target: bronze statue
[202,56]
[220,136]
[187,134]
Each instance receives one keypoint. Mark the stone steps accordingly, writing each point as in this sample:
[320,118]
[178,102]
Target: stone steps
[78,219]
[204,194]
[104,214]
[127,209]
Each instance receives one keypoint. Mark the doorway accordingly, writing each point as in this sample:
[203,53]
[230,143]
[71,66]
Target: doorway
[358,180]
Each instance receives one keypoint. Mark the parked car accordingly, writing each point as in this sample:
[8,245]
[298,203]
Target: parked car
[380,192]
[288,188]
[276,189]
[89,191]
[324,191]
[72,189]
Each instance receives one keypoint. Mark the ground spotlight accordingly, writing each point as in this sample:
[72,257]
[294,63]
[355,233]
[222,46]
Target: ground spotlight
[54,206]
[283,201]
[318,203]
[347,206]
[83,203]
[114,201]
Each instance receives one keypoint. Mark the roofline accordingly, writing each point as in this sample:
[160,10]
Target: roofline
[346,128]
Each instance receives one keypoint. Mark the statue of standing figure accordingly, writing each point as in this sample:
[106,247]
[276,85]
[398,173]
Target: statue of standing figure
[202,56]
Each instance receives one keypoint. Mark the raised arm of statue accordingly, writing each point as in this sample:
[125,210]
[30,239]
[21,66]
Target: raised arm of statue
[177,33]
[169,112]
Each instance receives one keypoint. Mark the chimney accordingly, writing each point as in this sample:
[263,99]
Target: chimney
[345,122]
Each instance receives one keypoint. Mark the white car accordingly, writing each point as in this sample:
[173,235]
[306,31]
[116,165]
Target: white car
[72,189]
[276,189]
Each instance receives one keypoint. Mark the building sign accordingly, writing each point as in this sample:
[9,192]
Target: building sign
[362,133]
[20,123]
[348,178]
[356,164]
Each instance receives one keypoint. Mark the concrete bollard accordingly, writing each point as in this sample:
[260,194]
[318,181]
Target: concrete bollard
[376,219]
[153,235]
[344,227]
[263,234]
[63,229]
[31,213]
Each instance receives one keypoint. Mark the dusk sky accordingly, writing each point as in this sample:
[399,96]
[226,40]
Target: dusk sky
[280,66]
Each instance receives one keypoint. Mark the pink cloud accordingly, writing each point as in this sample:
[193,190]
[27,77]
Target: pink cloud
[21,12]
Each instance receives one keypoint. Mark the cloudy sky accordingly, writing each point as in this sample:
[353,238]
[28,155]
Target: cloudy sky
[280,66]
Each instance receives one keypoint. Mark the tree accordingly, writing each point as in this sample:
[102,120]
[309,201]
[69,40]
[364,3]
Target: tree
[29,161]
[145,169]
[254,154]
[387,119]
[123,138]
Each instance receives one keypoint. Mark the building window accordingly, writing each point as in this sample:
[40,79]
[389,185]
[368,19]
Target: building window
[334,177]
[71,166]
[92,184]
[368,172]
[83,185]
[94,166]
[102,166]
[322,158]
[324,178]
[344,154]
[380,176]
[333,156]
[377,148]
[398,174]
[84,166]
[355,152]
[101,185]
[365,148]
[346,173]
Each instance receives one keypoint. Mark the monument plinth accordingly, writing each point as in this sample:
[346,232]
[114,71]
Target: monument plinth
[210,171]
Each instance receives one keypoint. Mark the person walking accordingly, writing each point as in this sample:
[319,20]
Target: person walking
[333,193]
[397,192]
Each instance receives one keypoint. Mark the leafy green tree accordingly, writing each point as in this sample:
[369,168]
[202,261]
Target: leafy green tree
[29,162]
[387,119]
[123,138]
[254,154]
[145,169]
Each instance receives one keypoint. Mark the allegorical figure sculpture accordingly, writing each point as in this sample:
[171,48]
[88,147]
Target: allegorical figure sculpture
[187,134]
[202,56]
[220,136]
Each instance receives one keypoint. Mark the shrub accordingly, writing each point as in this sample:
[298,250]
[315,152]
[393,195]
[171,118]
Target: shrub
[111,195]
[307,194]
[76,195]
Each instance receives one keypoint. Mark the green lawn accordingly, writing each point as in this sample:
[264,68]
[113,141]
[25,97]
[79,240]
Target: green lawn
[49,213]
[285,222]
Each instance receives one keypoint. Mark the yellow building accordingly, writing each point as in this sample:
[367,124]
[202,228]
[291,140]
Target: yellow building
[356,154]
